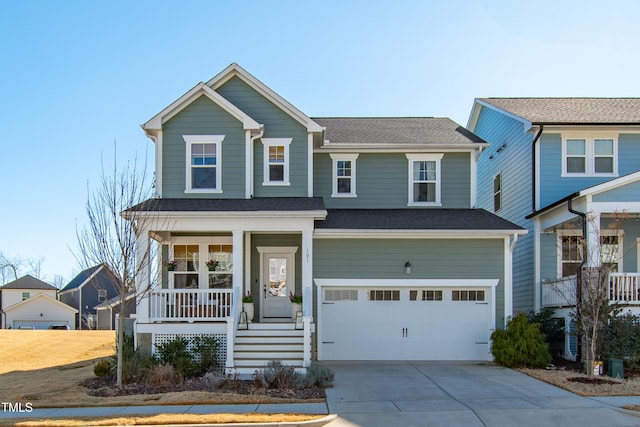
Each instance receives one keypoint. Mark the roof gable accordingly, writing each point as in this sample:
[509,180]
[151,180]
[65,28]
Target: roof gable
[37,297]
[155,123]
[234,70]
[28,282]
[621,111]
[82,278]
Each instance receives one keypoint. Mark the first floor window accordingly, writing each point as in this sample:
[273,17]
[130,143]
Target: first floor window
[202,265]
[344,175]
[276,161]
[203,163]
[424,179]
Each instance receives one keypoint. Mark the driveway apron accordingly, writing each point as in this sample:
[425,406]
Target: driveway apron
[458,394]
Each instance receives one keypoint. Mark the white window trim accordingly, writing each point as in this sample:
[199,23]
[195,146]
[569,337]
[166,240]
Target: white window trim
[589,156]
[203,139]
[425,157]
[269,142]
[563,233]
[203,249]
[336,157]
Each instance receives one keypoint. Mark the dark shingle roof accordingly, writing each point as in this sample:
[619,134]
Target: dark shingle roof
[28,282]
[81,278]
[231,205]
[571,110]
[396,130]
[414,219]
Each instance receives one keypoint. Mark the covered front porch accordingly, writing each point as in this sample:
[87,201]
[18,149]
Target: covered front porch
[206,262]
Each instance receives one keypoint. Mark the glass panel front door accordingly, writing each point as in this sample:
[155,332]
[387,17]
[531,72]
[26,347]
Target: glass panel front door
[277,284]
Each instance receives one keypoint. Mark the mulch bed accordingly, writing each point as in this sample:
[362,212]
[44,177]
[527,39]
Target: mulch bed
[106,387]
[591,380]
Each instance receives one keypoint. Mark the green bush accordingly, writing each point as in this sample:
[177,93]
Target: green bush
[521,344]
[318,375]
[176,354]
[205,349]
[621,339]
[278,376]
[551,327]
[103,368]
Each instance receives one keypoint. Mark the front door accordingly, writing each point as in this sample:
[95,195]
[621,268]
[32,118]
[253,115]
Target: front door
[277,282]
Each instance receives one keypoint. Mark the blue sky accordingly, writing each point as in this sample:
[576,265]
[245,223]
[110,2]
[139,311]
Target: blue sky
[77,76]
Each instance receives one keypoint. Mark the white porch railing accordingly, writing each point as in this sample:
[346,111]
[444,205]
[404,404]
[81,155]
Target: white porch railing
[623,288]
[190,305]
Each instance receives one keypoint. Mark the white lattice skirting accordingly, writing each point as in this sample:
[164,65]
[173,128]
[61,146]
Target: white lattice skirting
[221,354]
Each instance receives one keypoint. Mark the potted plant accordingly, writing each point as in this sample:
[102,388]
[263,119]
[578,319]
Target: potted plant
[171,265]
[212,264]
[296,304]
[247,306]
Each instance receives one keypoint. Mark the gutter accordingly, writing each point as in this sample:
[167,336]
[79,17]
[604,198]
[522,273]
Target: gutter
[533,168]
[583,218]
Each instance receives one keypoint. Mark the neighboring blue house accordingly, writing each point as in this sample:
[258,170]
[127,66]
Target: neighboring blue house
[88,289]
[371,220]
[551,161]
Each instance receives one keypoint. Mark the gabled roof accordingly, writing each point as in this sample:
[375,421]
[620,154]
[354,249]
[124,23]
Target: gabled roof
[155,123]
[29,282]
[37,297]
[99,276]
[113,302]
[570,110]
[234,70]
[417,219]
[258,204]
[397,130]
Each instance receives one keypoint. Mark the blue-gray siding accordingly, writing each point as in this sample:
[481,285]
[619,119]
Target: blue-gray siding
[431,259]
[382,181]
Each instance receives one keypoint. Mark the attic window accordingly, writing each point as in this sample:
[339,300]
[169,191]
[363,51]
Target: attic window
[25,296]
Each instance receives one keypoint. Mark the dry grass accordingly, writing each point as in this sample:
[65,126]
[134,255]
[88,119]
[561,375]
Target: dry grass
[560,378]
[44,368]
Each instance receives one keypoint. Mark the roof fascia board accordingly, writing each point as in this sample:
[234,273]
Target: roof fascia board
[336,233]
[236,70]
[591,127]
[398,147]
[155,123]
[315,214]
[526,123]
[33,298]
[610,185]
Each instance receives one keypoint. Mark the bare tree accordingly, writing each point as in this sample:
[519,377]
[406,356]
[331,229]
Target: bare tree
[592,291]
[9,267]
[110,239]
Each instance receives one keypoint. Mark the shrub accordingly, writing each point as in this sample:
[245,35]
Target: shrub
[206,351]
[276,375]
[175,353]
[552,328]
[622,339]
[520,344]
[318,375]
[103,368]
[163,376]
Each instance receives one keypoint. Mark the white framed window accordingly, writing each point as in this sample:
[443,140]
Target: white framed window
[424,179]
[203,163]
[344,175]
[497,192]
[201,263]
[596,156]
[276,161]
[25,296]
[102,295]
[571,251]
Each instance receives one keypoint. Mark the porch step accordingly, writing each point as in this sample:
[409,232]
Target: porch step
[264,342]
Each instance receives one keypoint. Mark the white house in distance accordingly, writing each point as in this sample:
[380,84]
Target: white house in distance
[30,303]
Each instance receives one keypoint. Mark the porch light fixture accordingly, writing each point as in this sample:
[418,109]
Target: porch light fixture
[407,267]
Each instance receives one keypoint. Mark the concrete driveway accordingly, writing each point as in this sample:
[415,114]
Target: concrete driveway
[459,394]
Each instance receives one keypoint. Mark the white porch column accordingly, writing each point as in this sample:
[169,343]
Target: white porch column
[307,273]
[593,256]
[142,279]
[238,255]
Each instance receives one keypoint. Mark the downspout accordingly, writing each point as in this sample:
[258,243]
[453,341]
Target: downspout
[251,157]
[533,168]
[583,218]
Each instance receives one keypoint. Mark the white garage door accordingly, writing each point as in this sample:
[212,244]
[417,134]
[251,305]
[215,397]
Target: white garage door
[435,323]
[36,324]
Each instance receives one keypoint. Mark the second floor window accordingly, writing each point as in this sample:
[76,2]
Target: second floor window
[203,166]
[424,179]
[276,161]
[102,295]
[589,156]
[344,175]
[497,192]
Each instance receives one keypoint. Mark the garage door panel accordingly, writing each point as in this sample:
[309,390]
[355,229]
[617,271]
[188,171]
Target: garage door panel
[405,330]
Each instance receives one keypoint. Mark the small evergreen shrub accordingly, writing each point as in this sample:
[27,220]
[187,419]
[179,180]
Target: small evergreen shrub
[175,353]
[551,327]
[521,344]
[278,376]
[205,349]
[318,375]
[621,339]
[103,368]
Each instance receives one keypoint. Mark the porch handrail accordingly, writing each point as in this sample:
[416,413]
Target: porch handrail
[191,305]
[624,287]
[232,326]
[560,292]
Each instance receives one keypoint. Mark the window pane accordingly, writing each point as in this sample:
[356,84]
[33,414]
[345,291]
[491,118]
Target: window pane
[276,172]
[576,147]
[424,192]
[344,185]
[576,164]
[603,147]
[604,164]
[276,154]
[203,154]
[343,168]
[203,177]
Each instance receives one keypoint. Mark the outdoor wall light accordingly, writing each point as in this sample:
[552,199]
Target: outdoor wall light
[407,267]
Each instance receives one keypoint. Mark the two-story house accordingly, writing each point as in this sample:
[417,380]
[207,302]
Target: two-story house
[373,221]
[565,169]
